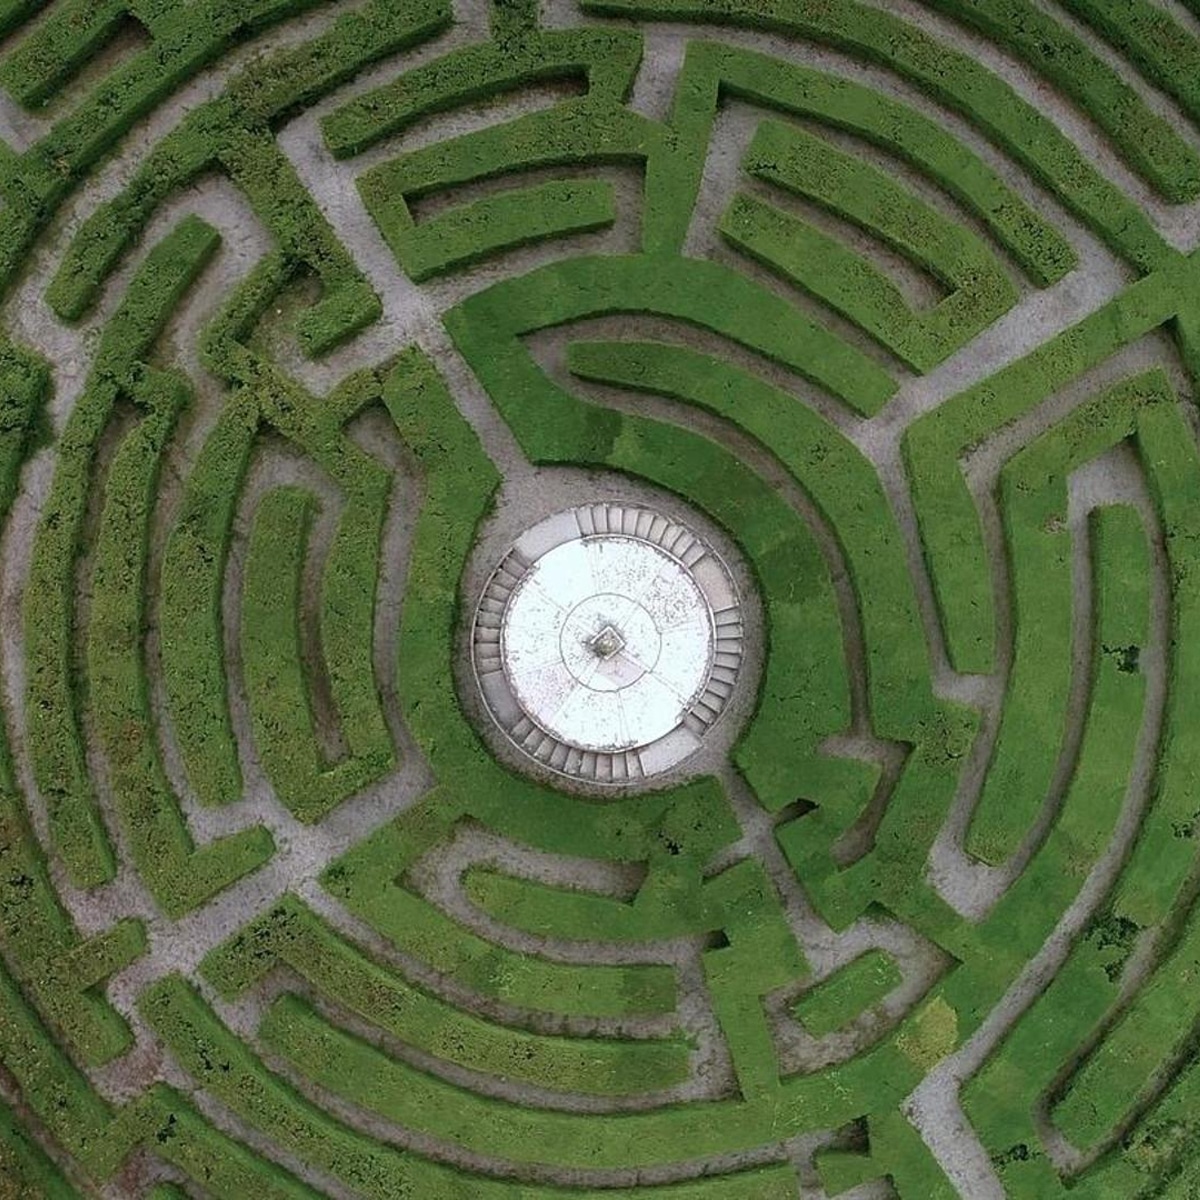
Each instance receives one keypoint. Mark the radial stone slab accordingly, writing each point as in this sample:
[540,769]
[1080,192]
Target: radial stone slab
[607,642]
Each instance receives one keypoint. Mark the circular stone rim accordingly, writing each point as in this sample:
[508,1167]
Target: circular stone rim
[709,650]
[717,586]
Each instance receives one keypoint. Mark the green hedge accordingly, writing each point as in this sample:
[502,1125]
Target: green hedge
[1019,923]
[164,1124]
[809,166]
[293,934]
[233,132]
[25,1169]
[951,78]
[14,13]
[1153,889]
[459,482]
[1086,993]
[59,967]
[347,620]
[785,737]
[275,675]
[191,580]
[895,1153]
[24,391]
[36,183]
[739,902]
[209,137]
[99,1139]
[934,444]
[265,398]
[850,991]
[713,72]
[365,880]
[225,1068]
[55,739]
[554,426]
[75,32]
[1166,53]
[579,132]
[606,59]
[663,907]
[179,875]
[264,174]
[1146,141]
[472,232]
[1033,727]
[361,1074]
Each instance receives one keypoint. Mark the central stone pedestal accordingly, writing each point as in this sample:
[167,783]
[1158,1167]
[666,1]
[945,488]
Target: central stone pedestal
[607,642]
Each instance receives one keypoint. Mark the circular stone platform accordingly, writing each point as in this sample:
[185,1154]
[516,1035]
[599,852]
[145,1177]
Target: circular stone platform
[607,642]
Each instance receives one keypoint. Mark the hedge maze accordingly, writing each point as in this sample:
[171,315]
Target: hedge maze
[302,300]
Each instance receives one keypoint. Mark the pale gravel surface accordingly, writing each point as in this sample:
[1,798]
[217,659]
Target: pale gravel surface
[412,313]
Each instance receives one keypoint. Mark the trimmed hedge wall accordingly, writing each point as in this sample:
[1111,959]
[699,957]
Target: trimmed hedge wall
[228,1070]
[275,673]
[1033,489]
[951,78]
[55,740]
[233,133]
[192,579]
[1167,54]
[980,292]
[854,753]
[292,933]
[934,444]
[193,644]
[180,876]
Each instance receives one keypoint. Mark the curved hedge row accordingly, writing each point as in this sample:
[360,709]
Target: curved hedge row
[956,836]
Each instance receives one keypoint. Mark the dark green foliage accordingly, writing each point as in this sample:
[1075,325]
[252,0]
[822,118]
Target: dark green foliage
[179,875]
[193,655]
[1145,139]
[851,991]
[292,933]
[533,1027]
[273,663]
[25,1171]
